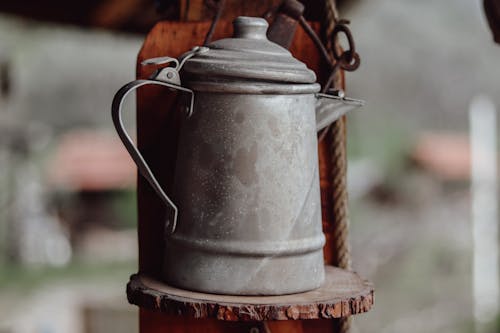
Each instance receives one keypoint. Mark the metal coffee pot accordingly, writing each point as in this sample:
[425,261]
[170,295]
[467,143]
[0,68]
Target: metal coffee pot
[246,201]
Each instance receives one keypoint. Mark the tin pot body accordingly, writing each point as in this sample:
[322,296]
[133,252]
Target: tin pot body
[247,188]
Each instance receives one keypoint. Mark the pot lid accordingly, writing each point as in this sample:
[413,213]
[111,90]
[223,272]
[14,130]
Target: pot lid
[247,56]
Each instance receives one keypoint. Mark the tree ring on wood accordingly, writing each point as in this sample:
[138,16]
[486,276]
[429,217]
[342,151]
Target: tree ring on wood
[343,294]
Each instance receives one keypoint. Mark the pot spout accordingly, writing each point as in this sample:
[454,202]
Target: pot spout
[331,107]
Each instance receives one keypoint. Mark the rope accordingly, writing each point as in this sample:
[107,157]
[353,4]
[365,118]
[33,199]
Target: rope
[341,255]
[338,173]
[331,19]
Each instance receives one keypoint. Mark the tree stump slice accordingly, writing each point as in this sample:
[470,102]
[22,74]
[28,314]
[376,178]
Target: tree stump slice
[343,293]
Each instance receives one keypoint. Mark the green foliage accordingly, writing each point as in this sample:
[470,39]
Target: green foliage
[124,206]
[388,146]
[494,326]
[21,278]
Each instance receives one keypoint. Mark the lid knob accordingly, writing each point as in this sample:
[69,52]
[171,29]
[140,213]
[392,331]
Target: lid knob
[250,27]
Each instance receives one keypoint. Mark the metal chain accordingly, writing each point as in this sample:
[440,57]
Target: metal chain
[218,7]
[347,60]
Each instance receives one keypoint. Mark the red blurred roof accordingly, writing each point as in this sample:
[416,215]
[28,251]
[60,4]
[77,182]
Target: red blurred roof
[444,154]
[91,161]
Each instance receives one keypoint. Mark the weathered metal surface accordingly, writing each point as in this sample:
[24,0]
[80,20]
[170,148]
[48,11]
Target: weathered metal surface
[248,191]
[246,180]
[248,58]
[343,294]
[331,107]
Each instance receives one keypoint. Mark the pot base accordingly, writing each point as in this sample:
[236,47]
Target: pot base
[243,275]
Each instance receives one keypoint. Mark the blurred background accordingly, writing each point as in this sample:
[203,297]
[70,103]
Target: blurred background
[423,221]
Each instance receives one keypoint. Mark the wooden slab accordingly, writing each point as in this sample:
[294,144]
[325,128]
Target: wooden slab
[158,124]
[343,294]
[157,128]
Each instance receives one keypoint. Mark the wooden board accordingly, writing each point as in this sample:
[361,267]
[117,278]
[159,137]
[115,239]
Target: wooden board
[157,126]
[343,294]
[198,10]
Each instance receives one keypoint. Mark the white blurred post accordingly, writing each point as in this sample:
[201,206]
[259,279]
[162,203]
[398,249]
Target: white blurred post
[483,138]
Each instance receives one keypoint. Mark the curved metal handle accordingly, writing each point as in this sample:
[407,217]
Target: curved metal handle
[129,144]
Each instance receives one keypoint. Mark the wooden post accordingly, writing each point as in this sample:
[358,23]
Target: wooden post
[156,135]
[157,129]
